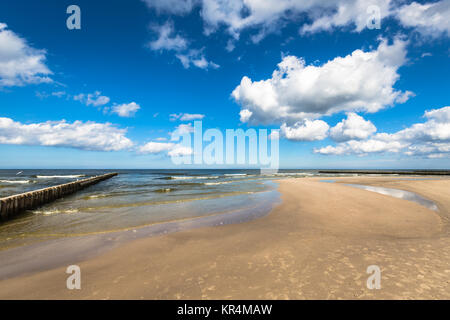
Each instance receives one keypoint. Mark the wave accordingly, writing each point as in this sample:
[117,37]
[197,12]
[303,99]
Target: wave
[96,196]
[61,177]
[217,183]
[16,181]
[287,174]
[114,194]
[234,174]
[164,190]
[189,177]
[55,211]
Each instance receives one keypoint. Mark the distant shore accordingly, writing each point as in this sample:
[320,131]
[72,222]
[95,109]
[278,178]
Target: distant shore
[394,172]
[317,244]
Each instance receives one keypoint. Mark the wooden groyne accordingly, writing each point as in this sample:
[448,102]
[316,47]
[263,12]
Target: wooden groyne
[12,205]
[400,172]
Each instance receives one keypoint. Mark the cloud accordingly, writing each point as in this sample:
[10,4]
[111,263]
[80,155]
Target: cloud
[186,116]
[360,81]
[179,151]
[96,99]
[352,128]
[306,131]
[245,115]
[126,109]
[58,94]
[185,128]
[344,13]
[166,40]
[156,147]
[430,19]
[92,99]
[80,135]
[20,64]
[376,144]
[274,135]
[230,46]
[190,117]
[43,94]
[172,149]
[430,139]
[170,42]
[436,128]
[196,58]
[269,15]
[171,6]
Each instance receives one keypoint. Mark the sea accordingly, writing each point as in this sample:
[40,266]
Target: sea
[135,198]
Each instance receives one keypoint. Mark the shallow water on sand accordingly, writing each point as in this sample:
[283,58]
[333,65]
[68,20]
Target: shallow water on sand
[131,199]
[400,194]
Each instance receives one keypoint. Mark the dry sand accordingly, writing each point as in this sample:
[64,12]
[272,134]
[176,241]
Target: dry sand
[316,245]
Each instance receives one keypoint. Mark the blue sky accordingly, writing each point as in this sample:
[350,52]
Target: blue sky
[345,95]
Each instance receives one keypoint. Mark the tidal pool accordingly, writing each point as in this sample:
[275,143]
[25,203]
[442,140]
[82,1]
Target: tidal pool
[397,193]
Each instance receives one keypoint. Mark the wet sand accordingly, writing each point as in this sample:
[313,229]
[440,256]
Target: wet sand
[317,244]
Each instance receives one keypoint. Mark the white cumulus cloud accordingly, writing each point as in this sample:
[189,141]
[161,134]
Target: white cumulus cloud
[375,144]
[179,151]
[431,18]
[20,64]
[245,115]
[172,149]
[306,131]
[352,128]
[156,147]
[430,139]
[95,99]
[185,128]
[126,110]
[81,135]
[360,81]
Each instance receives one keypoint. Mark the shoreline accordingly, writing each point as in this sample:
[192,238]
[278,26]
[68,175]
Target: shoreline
[390,172]
[21,259]
[316,244]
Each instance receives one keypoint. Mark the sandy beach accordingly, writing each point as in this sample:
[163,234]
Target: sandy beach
[316,244]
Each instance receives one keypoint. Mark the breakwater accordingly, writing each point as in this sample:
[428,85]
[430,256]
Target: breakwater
[399,172]
[12,205]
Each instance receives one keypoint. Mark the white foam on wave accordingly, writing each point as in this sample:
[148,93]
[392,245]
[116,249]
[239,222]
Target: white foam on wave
[55,211]
[286,174]
[61,177]
[95,196]
[217,183]
[192,177]
[16,181]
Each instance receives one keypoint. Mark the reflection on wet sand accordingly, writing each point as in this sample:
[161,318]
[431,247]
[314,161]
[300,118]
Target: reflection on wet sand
[397,193]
